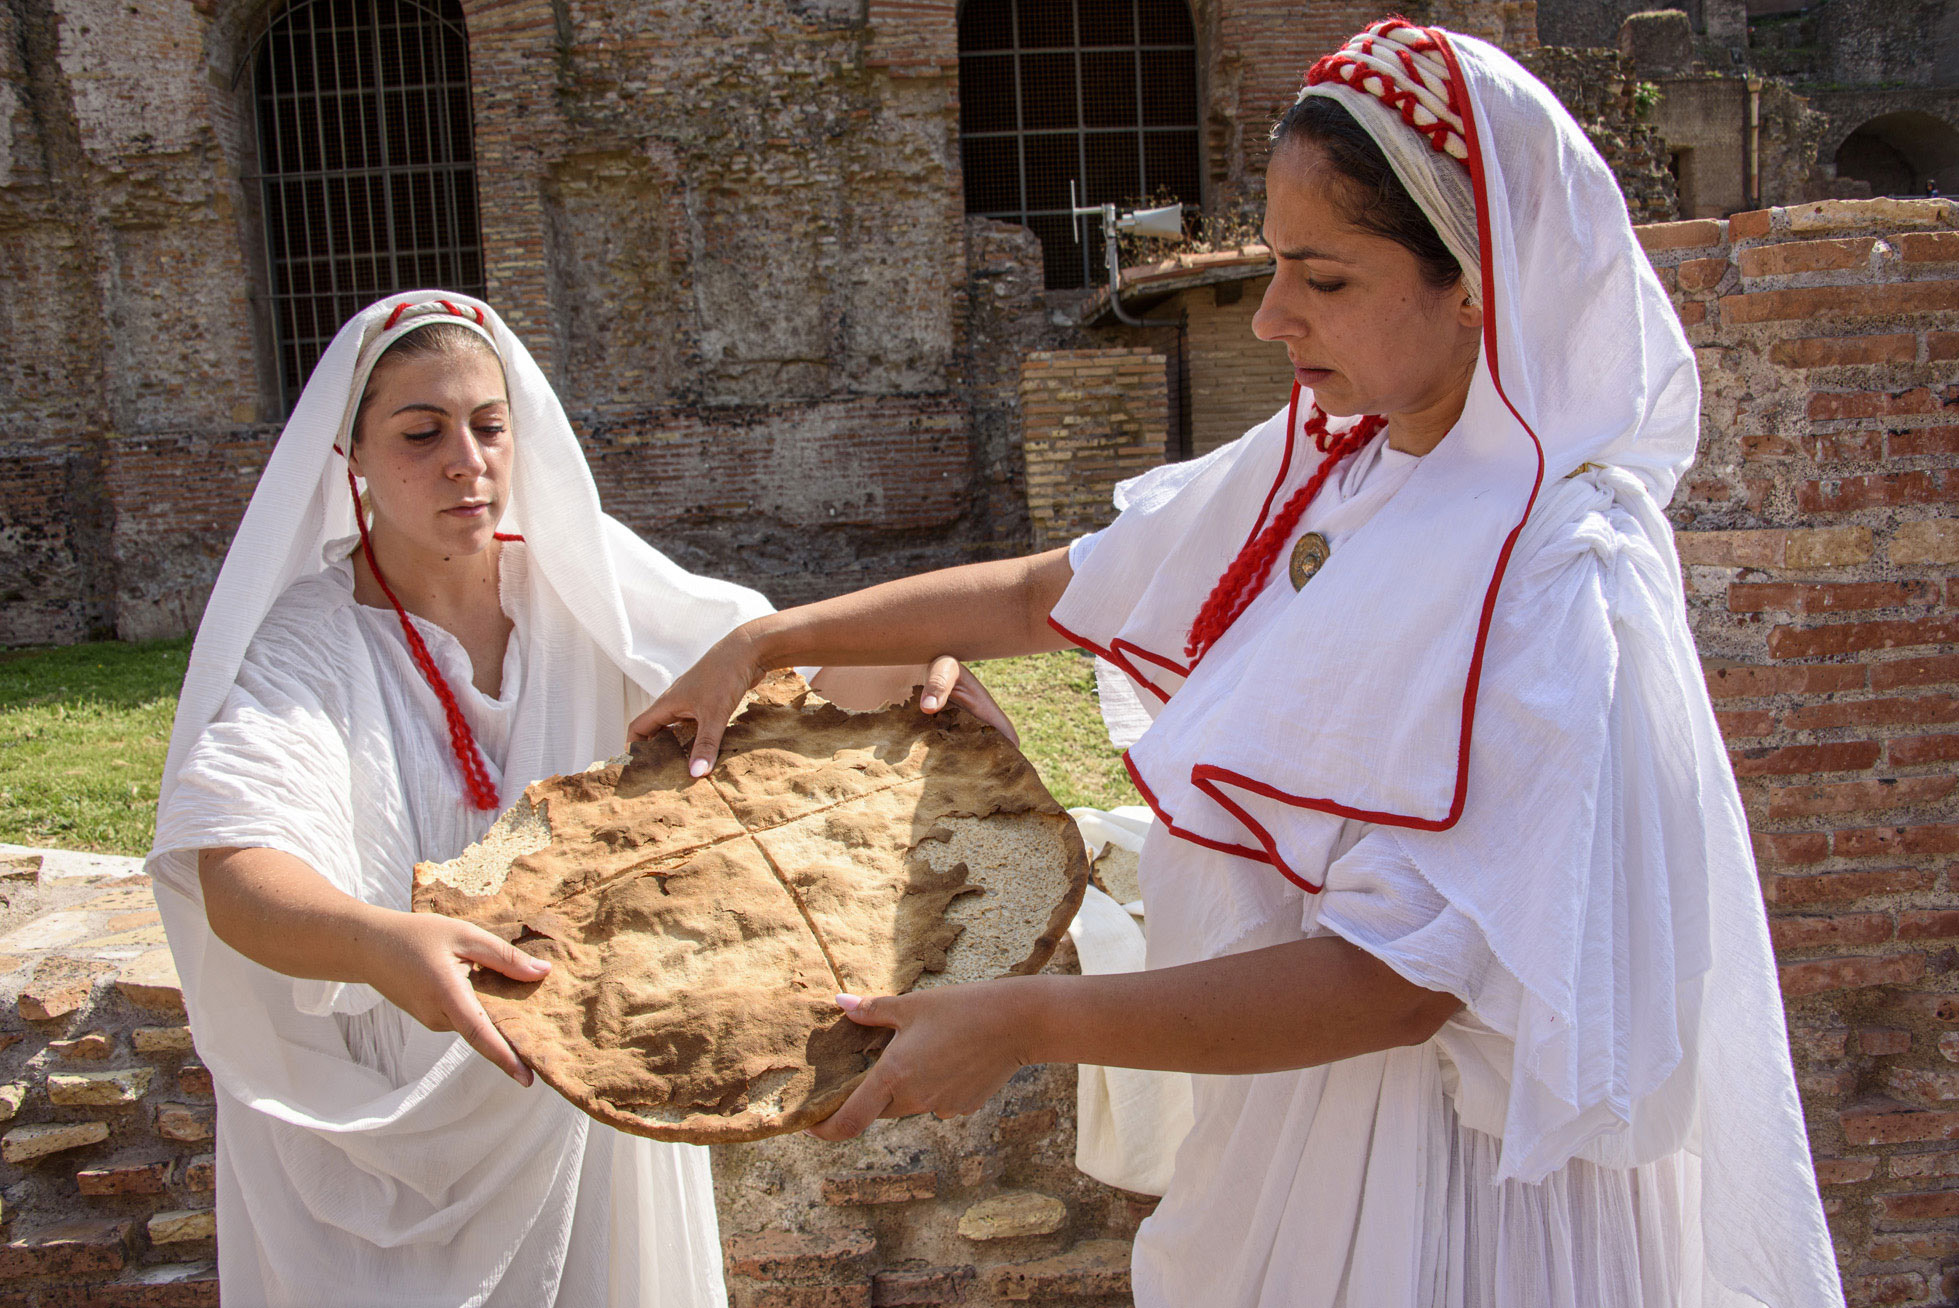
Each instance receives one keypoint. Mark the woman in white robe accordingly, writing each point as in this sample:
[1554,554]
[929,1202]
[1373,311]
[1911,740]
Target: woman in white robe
[330,735]
[1450,896]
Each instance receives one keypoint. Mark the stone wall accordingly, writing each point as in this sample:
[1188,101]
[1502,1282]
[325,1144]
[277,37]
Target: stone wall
[1090,418]
[1599,89]
[1822,558]
[106,1162]
[731,232]
[1236,380]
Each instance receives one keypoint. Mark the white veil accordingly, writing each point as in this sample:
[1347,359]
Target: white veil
[610,584]
[1618,889]
[433,1184]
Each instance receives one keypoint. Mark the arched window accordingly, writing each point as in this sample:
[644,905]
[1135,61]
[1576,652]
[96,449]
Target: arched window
[367,174]
[1102,93]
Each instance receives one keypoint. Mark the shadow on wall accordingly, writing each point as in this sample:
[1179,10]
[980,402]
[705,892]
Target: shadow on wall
[1899,153]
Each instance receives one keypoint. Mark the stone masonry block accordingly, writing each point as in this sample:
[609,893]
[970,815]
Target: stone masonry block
[150,981]
[70,1249]
[12,1096]
[162,1039]
[200,1173]
[1929,541]
[901,1287]
[128,1178]
[164,1285]
[179,1225]
[59,986]
[1689,235]
[1006,1216]
[119,1086]
[96,1044]
[183,1122]
[1095,1267]
[1840,215]
[879,1187]
[24,1144]
[778,1255]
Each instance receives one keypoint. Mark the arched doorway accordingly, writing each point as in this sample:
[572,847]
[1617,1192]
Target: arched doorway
[1898,153]
[1101,93]
[366,164]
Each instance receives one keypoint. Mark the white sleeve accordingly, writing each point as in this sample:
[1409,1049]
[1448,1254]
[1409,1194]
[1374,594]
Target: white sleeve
[1375,898]
[273,770]
[1078,550]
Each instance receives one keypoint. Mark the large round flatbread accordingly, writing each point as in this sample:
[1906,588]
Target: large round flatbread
[699,930]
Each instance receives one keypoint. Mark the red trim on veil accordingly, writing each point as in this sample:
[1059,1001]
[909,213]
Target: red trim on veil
[1213,780]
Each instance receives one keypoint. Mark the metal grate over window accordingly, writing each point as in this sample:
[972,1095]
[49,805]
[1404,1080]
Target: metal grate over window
[367,172]
[1102,93]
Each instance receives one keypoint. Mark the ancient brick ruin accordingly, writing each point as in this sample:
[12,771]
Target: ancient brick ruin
[734,234]
[1822,558]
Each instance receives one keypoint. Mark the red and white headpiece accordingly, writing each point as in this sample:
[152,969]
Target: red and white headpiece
[1401,65]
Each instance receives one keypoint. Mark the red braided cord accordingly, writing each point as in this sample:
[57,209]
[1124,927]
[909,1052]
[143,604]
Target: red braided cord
[1246,577]
[462,741]
[1343,67]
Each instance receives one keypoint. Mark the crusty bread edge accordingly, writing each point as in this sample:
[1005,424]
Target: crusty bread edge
[751,1125]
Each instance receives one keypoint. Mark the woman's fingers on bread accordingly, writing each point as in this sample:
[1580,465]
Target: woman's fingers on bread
[707,695]
[426,974]
[884,1011]
[485,950]
[474,1026]
[971,694]
[866,1104]
[948,682]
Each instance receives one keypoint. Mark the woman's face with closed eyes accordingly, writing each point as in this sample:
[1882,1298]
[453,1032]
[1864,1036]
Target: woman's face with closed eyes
[1366,331]
[435,446]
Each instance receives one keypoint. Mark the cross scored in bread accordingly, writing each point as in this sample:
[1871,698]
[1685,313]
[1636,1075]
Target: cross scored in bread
[700,929]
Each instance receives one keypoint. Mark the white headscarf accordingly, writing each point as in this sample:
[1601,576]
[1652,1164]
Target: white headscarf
[430,1178]
[1618,889]
[609,583]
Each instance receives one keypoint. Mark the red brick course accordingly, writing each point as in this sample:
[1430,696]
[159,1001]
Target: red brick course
[1825,610]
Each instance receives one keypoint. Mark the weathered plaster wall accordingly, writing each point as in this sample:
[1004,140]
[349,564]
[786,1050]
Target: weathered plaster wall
[733,233]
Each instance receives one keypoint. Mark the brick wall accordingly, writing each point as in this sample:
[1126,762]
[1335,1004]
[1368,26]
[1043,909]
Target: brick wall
[107,1139]
[1822,557]
[1089,419]
[106,1114]
[1236,380]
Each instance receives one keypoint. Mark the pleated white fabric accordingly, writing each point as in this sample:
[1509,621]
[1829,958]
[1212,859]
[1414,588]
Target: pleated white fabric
[363,1159]
[1128,1122]
[1382,1180]
[1478,744]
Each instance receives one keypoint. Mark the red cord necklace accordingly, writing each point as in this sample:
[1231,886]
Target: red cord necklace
[1246,577]
[462,741]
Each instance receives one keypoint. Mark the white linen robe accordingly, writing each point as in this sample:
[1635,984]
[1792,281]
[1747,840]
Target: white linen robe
[1374,1182]
[361,1158]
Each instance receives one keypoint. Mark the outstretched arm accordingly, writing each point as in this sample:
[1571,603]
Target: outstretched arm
[979,611]
[1288,1006]
[282,914]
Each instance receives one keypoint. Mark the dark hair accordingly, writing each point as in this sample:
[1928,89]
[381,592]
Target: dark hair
[1376,201]
[437,339]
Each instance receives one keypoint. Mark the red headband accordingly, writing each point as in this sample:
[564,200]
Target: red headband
[1402,66]
[395,316]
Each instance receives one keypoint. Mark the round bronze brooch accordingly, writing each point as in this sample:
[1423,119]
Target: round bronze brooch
[1308,556]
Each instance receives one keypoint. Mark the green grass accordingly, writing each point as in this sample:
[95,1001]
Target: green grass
[83,732]
[1051,699]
